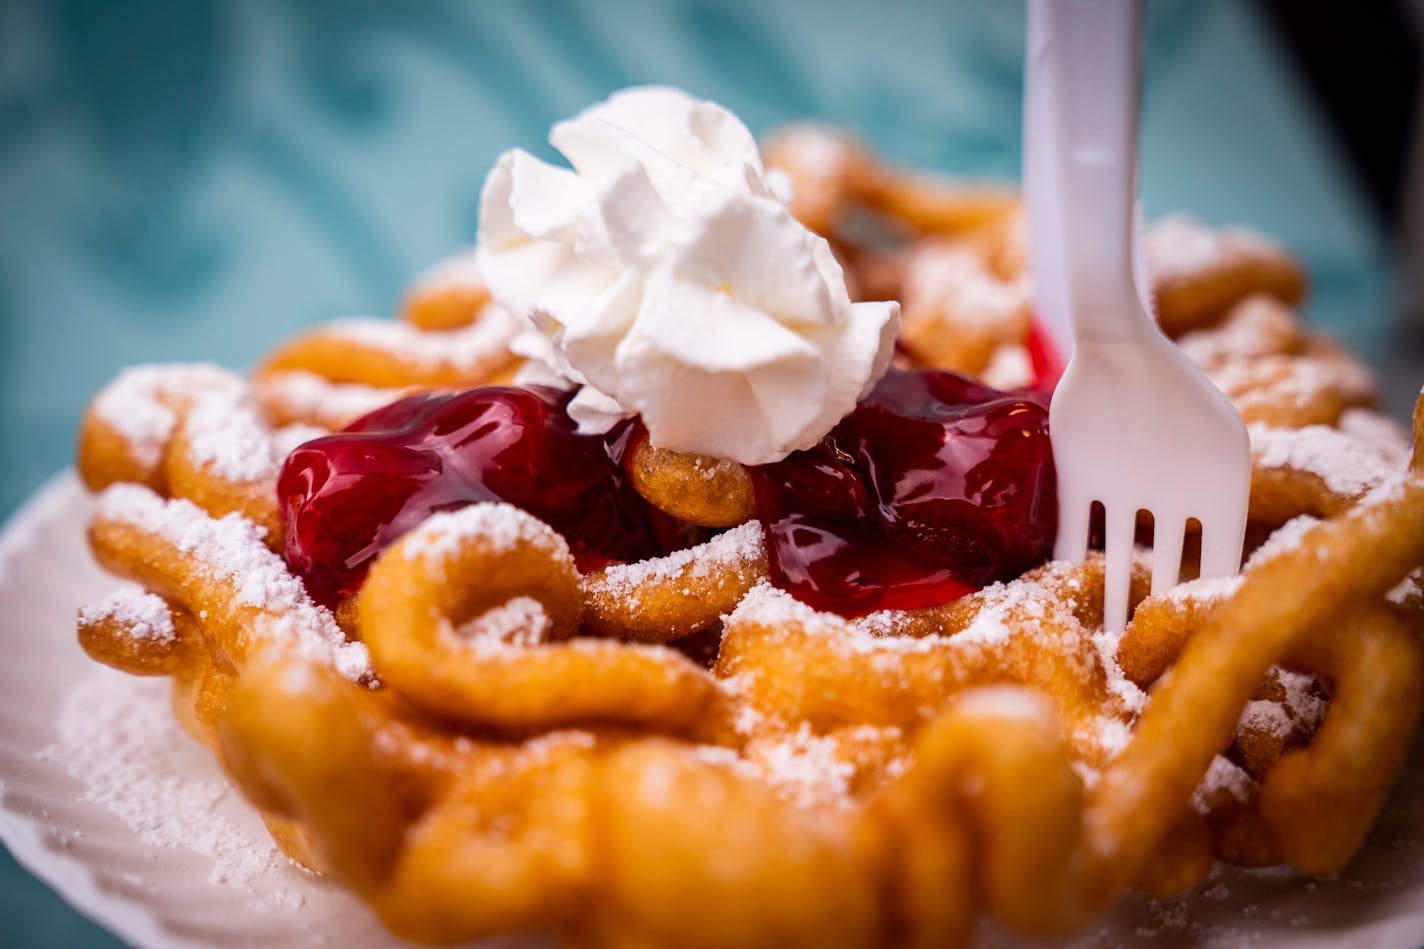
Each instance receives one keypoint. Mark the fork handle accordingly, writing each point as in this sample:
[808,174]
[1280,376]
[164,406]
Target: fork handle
[1087,56]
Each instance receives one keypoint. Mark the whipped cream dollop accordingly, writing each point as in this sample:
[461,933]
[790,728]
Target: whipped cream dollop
[664,276]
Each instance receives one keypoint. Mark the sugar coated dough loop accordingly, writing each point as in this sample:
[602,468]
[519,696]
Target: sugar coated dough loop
[386,354]
[1279,601]
[1258,326]
[193,432]
[296,396]
[220,571]
[225,458]
[461,566]
[1319,801]
[135,631]
[672,597]
[792,663]
[1316,469]
[128,425]
[957,313]
[1199,273]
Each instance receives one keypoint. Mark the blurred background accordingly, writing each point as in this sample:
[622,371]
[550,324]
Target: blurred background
[195,179]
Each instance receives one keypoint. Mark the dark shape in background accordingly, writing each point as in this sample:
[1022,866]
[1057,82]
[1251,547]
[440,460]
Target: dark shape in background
[1361,60]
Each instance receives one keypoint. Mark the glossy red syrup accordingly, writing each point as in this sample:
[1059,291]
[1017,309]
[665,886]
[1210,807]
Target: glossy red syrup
[934,486]
[1047,362]
[348,496]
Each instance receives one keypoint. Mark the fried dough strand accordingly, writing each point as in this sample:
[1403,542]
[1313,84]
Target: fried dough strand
[673,597]
[385,354]
[472,614]
[699,489]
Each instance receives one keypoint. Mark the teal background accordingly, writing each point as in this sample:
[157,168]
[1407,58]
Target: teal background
[193,179]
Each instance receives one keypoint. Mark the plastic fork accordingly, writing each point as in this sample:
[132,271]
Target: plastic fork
[1135,426]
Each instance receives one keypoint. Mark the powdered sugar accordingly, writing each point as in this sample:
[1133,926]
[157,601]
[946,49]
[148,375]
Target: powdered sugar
[1204,591]
[470,350]
[1222,777]
[743,544]
[1128,693]
[1027,607]
[1377,433]
[143,615]
[1022,617]
[1407,591]
[1277,382]
[803,767]
[227,436]
[1016,608]
[1258,326]
[230,551]
[1179,246]
[992,626]
[764,604]
[334,404]
[1266,716]
[116,734]
[1113,734]
[288,438]
[133,404]
[811,149]
[1010,367]
[1286,537]
[1003,702]
[1347,465]
[955,280]
[1301,698]
[226,433]
[519,621]
[1391,490]
[495,525]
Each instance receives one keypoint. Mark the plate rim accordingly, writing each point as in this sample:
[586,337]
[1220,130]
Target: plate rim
[67,876]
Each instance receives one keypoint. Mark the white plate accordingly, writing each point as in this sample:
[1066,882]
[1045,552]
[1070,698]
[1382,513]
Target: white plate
[78,792]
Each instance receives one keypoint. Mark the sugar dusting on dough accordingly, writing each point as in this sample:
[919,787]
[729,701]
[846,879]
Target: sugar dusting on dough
[519,621]
[1178,246]
[133,403]
[142,615]
[228,436]
[229,550]
[306,395]
[1346,463]
[1285,538]
[1223,777]
[470,350]
[495,525]
[740,545]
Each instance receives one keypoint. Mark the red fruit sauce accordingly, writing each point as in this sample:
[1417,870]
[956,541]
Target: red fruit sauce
[348,496]
[934,486]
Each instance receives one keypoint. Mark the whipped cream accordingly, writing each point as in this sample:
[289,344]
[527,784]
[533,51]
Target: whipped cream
[664,276]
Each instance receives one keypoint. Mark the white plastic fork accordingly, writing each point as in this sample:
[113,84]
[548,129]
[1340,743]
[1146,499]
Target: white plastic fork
[1135,426]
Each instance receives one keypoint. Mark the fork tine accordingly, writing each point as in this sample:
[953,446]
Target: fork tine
[1168,535]
[1119,529]
[1221,543]
[1072,540]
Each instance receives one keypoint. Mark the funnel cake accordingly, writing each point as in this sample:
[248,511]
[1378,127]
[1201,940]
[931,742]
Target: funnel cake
[492,728]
